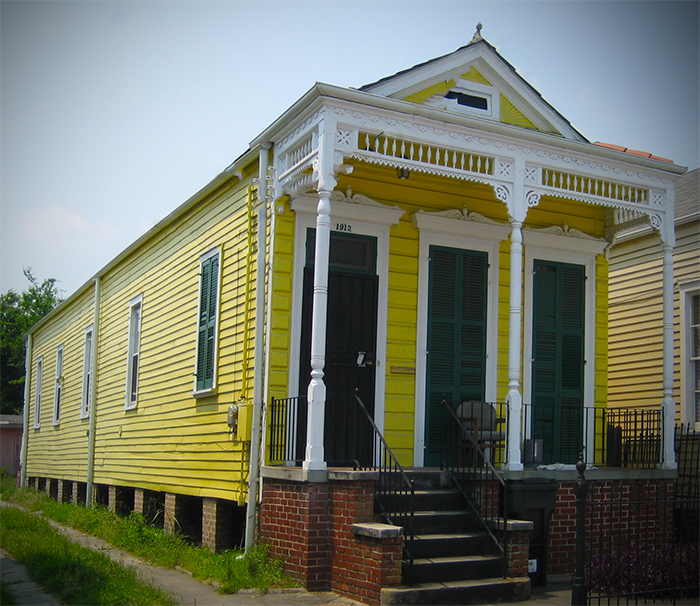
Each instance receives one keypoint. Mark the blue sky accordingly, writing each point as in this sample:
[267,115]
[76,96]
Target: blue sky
[114,113]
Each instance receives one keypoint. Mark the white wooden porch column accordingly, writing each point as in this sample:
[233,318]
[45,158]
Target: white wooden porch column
[668,406]
[314,458]
[514,398]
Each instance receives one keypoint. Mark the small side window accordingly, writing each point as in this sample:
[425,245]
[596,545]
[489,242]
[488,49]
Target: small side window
[86,401]
[37,393]
[133,352]
[58,386]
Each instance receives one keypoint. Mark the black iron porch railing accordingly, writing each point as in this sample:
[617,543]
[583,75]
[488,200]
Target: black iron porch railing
[287,420]
[609,437]
[394,491]
[467,456]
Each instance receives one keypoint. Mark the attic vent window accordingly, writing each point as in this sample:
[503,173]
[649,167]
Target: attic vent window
[469,100]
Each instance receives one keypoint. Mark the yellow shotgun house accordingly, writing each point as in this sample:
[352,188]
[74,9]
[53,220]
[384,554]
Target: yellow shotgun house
[433,238]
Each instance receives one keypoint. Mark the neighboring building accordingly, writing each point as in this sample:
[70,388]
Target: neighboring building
[440,234]
[636,306]
[10,443]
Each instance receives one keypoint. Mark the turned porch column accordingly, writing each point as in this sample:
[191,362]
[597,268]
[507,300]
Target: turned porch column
[314,458]
[514,398]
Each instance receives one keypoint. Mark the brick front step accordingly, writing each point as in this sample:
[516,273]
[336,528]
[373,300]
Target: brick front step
[482,591]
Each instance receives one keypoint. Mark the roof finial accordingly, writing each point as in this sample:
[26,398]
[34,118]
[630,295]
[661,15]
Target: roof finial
[477,35]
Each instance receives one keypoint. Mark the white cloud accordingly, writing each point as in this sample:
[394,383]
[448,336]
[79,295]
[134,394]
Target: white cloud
[57,227]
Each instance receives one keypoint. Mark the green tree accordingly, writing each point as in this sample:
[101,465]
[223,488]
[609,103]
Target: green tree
[19,312]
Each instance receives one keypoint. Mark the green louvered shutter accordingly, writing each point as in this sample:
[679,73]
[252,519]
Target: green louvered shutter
[207,322]
[456,336]
[558,359]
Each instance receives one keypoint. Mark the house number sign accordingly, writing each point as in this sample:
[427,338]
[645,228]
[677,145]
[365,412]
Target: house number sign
[346,227]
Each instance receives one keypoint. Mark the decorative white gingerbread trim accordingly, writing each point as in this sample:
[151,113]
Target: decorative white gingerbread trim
[461,214]
[564,230]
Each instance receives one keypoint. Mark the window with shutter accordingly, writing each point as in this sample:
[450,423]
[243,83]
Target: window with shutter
[207,324]
[558,359]
[457,304]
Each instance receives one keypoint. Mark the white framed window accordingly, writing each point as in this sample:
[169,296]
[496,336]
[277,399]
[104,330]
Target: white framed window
[86,400]
[471,98]
[207,323]
[58,386]
[37,392]
[690,353]
[133,352]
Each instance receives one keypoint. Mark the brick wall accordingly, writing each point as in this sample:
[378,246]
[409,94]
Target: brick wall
[309,525]
[616,510]
[361,564]
[295,524]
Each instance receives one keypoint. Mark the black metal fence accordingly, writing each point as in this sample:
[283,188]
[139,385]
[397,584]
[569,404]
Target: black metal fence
[642,537]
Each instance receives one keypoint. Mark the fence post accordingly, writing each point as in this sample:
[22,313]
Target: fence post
[579,591]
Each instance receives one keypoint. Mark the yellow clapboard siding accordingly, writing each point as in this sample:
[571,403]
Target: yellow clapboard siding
[165,271]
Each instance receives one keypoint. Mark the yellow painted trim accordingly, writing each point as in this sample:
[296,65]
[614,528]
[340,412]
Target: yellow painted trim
[435,89]
[512,115]
[475,76]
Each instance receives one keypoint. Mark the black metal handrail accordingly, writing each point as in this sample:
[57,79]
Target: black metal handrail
[472,472]
[394,490]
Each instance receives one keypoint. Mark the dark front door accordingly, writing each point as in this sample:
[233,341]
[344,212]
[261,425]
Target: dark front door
[558,359]
[456,337]
[351,336]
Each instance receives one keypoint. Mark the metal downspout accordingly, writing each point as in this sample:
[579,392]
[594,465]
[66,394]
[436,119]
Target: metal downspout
[259,355]
[25,411]
[93,396]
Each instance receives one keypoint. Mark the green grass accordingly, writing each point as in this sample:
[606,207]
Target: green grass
[230,570]
[73,574]
[6,597]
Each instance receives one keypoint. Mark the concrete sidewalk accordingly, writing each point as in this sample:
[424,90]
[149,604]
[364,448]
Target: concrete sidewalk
[186,590]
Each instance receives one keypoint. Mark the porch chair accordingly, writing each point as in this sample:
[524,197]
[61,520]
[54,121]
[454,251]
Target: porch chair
[480,418]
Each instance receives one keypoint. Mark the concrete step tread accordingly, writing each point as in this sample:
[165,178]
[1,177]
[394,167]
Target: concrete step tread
[465,583]
[473,591]
[448,536]
[438,512]
[455,559]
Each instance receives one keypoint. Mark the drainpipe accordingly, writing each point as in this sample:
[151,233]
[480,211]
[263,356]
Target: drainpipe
[93,396]
[259,371]
[25,411]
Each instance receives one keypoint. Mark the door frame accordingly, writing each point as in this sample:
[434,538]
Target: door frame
[453,231]
[366,218]
[576,251]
